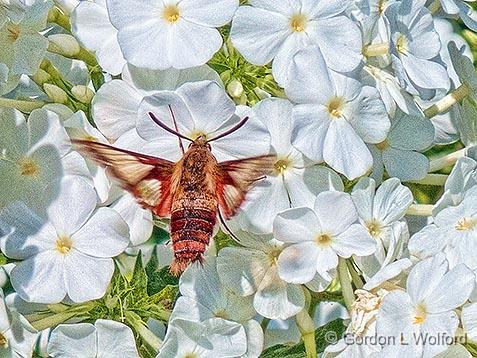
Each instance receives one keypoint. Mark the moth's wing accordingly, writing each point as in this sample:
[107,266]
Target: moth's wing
[148,178]
[236,177]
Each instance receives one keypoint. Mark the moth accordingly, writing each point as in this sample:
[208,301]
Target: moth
[194,191]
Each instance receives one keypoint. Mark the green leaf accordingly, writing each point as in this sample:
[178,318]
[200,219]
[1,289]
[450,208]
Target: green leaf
[158,278]
[139,278]
[298,350]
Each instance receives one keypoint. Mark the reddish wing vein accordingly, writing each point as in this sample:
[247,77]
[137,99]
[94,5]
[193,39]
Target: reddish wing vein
[236,177]
[148,178]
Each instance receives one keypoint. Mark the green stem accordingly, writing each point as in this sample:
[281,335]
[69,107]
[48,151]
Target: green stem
[264,324]
[306,326]
[420,210]
[432,179]
[448,101]
[345,281]
[447,160]
[57,16]
[52,320]
[358,282]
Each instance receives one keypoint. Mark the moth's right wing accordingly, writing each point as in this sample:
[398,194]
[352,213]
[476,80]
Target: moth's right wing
[146,177]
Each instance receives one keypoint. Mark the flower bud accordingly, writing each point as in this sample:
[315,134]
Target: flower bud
[82,93]
[64,44]
[55,93]
[40,77]
[235,89]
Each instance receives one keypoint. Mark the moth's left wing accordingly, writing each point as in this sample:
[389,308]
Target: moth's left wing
[147,177]
[236,177]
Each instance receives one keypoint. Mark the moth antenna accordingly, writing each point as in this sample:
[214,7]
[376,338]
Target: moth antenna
[227,228]
[176,128]
[170,130]
[231,130]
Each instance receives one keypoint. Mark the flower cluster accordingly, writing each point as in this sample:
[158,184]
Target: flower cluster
[366,225]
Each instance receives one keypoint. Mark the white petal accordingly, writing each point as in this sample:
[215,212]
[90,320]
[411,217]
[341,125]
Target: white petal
[76,202]
[354,241]
[353,158]
[391,201]
[425,277]
[106,234]
[213,13]
[72,340]
[41,278]
[86,278]
[453,291]
[310,81]
[439,325]
[115,339]
[296,225]
[297,263]
[469,319]
[115,107]
[258,44]
[335,211]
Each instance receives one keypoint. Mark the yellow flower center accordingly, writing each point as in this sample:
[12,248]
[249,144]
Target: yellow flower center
[3,341]
[191,355]
[171,13]
[64,244]
[28,167]
[298,22]
[323,240]
[281,165]
[273,256]
[466,224]
[420,314]
[196,134]
[13,32]
[374,228]
[402,44]
[381,6]
[336,107]
[383,145]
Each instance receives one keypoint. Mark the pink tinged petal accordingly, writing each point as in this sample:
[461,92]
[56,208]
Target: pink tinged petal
[258,44]
[310,130]
[73,207]
[24,232]
[189,45]
[86,278]
[354,241]
[425,277]
[105,234]
[315,86]
[296,225]
[453,291]
[114,108]
[345,151]
[72,340]
[339,39]
[40,279]
[115,339]
[335,211]
[297,263]
[208,103]
[211,13]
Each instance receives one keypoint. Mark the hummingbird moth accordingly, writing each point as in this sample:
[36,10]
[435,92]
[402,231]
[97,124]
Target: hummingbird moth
[193,191]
